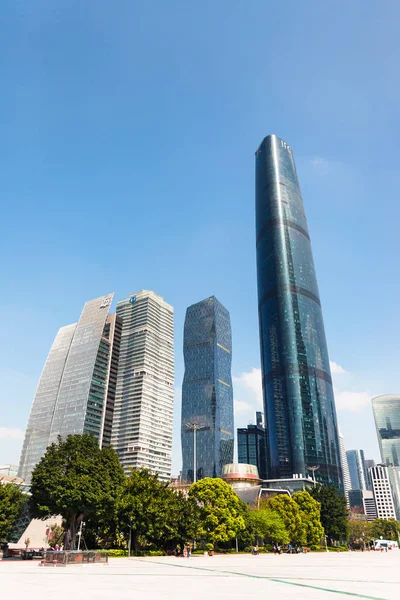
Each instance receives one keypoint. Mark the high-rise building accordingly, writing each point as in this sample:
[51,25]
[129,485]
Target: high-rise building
[299,404]
[76,387]
[207,397]
[394,478]
[252,445]
[369,462]
[386,411]
[358,475]
[144,396]
[345,466]
[364,501]
[382,492]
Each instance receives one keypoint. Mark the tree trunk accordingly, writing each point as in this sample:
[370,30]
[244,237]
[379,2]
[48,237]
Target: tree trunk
[70,534]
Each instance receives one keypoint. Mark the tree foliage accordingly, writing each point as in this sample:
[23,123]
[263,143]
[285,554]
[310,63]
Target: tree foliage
[156,514]
[310,512]
[269,526]
[218,511]
[359,532]
[292,517]
[334,516]
[11,503]
[389,529]
[77,480]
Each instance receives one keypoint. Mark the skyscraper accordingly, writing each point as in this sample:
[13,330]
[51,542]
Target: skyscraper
[76,387]
[382,492]
[299,405]
[369,462]
[345,466]
[358,475]
[386,411]
[252,445]
[207,397]
[144,397]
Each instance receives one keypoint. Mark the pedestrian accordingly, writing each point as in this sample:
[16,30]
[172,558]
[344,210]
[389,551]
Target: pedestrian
[274,548]
[290,548]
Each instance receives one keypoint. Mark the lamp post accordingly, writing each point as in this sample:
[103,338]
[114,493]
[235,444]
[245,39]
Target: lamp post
[130,537]
[313,469]
[80,534]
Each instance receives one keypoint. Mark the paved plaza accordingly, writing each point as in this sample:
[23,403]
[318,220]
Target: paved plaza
[325,575]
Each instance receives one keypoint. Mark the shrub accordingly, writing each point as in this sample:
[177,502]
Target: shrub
[209,547]
[114,552]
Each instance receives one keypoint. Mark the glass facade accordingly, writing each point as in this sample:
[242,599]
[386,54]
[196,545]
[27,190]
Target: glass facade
[357,469]
[72,393]
[252,449]
[299,404]
[386,411]
[207,396]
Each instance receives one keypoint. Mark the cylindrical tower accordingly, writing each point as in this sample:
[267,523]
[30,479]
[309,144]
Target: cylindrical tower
[300,413]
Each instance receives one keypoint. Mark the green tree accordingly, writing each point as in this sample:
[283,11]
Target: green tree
[360,532]
[218,511]
[156,514]
[389,529]
[77,480]
[269,526]
[11,503]
[334,515]
[292,517]
[56,536]
[310,510]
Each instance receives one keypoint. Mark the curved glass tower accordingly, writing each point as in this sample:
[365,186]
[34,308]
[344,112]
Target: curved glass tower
[300,414]
[387,420]
[207,397]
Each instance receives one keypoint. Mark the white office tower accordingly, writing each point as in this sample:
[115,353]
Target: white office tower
[144,398]
[345,466]
[382,492]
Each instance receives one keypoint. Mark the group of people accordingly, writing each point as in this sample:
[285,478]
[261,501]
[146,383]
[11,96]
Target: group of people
[278,550]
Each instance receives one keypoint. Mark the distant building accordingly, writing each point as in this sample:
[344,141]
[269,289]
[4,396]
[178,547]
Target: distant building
[394,478]
[75,393]
[368,464]
[11,470]
[386,411]
[382,492]
[207,396]
[144,396]
[363,500]
[299,405]
[252,448]
[345,466]
[356,463]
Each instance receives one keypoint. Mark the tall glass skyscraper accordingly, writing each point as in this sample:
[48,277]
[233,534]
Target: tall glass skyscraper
[299,404]
[144,398]
[75,393]
[357,469]
[386,411]
[207,397]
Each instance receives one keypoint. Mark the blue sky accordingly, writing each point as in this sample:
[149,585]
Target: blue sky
[127,151]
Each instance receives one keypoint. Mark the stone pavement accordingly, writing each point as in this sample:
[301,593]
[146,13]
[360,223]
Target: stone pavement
[369,575]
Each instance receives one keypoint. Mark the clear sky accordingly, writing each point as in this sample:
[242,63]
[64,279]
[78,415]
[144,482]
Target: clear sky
[128,132]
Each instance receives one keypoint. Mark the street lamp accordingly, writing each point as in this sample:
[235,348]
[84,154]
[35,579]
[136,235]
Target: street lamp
[130,537]
[195,428]
[313,469]
[80,534]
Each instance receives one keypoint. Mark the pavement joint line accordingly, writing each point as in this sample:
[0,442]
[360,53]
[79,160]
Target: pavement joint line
[304,585]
